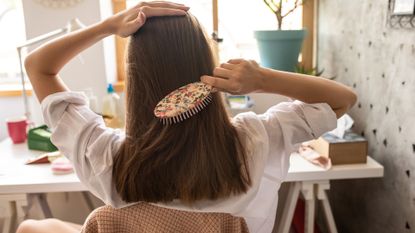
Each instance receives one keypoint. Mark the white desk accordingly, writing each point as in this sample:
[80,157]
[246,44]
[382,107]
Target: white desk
[302,170]
[17,179]
[313,182]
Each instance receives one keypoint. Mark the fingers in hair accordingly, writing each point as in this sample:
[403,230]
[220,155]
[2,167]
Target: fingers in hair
[160,11]
[236,61]
[163,4]
[139,21]
[222,72]
[218,83]
[228,66]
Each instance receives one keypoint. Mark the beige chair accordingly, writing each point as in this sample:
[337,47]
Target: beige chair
[144,217]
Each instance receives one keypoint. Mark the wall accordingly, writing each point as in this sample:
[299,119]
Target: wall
[357,47]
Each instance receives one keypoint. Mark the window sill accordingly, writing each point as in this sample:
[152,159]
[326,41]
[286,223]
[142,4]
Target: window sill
[13,90]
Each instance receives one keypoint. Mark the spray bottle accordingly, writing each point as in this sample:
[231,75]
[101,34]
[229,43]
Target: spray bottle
[112,109]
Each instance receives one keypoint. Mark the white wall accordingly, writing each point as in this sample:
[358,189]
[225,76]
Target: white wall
[357,46]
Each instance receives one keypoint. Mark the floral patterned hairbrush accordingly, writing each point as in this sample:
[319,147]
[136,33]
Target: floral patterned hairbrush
[183,103]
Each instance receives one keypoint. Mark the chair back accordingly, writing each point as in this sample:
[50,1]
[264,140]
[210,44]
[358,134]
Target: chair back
[145,217]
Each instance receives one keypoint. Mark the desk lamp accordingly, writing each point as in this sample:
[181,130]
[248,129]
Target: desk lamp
[72,25]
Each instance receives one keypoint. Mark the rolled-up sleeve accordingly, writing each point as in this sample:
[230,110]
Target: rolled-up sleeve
[69,118]
[81,135]
[297,122]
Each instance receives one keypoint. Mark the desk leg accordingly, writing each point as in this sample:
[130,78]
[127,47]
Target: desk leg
[12,204]
[41,197]
[88,201]
[7,215]
[289,207]
[322,196]
[20,212]
[307,190]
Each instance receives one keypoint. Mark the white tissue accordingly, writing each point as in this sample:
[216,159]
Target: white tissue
[343,123]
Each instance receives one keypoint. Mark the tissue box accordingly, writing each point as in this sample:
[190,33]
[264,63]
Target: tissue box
[352,148]
[39,139]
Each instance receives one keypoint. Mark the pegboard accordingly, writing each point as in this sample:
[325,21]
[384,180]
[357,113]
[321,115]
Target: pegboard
[400,21]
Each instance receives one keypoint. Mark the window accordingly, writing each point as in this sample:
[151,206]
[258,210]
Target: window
[237,20]
[13,31]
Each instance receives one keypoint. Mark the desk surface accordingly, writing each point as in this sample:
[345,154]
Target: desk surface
[302,170]
[16,177]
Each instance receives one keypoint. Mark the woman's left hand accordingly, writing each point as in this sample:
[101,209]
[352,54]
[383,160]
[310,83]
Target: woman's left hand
[130,20]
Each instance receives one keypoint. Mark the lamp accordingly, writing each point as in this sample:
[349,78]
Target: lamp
[71,26]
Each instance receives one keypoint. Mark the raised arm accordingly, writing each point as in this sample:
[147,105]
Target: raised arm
[240,76]
[43,64]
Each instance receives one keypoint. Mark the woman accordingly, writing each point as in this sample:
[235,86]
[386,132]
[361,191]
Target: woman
[208,163]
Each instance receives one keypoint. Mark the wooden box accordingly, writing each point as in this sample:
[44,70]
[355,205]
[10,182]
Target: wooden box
[352,148]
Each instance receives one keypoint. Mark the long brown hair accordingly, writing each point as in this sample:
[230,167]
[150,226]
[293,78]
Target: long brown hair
[199,158]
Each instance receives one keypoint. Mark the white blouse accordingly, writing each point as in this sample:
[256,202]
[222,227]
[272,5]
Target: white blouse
[269,138]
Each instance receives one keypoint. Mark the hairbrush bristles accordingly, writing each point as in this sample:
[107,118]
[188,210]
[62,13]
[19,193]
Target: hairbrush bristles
[183,103]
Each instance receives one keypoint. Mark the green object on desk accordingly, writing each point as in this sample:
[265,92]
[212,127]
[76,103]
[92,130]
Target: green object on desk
[39,139]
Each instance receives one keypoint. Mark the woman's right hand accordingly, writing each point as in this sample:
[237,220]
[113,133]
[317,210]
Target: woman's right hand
[130,20]
[241,77]
[237,76]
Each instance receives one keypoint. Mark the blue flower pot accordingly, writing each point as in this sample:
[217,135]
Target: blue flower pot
[280,49]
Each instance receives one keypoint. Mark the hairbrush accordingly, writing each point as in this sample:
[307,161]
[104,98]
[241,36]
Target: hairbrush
[183,103]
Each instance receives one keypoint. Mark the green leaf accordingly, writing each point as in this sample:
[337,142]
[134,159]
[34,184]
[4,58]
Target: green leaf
[302,70]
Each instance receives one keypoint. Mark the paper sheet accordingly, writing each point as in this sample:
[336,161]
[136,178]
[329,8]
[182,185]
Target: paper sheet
[343,123]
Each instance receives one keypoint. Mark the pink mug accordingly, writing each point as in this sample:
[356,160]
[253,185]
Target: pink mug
[17,128]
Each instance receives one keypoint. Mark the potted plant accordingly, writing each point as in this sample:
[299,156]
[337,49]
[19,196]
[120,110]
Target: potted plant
[279,49]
